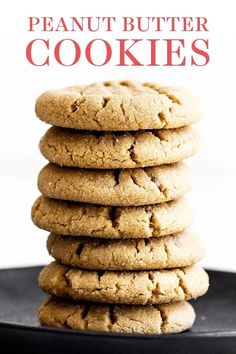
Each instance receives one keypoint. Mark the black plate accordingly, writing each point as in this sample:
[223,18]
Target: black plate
[213,332]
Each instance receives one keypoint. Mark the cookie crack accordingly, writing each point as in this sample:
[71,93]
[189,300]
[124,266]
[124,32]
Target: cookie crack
[173,98]
[49,145]
[111,316]
[67,319]
[159,185]
[135,181]
[157,134]
[70,154]
[182,283]
[150,216]
[148,245]
[85,311]
[74,107]
[105,101]
[79,249]
[155,287]
[77,104]
[100,274]
[164,320]
[167,252]
[131,152]
[83,316]
[162,91]
[136,245]
[123,109]
[97,120]
[57,222]
[116,175]
[66,277]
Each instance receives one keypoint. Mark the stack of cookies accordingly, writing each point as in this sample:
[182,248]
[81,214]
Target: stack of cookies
[112,198]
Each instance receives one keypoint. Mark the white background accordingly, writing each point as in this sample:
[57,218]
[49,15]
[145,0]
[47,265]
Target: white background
[214,168]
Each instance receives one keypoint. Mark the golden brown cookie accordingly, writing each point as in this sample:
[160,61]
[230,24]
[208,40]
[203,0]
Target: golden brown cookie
[137,288]
[121,105]
[130,187]
[156,319]
[69,147]
[75,219]
[173,251]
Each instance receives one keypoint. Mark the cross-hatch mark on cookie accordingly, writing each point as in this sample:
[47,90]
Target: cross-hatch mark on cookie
[162,90]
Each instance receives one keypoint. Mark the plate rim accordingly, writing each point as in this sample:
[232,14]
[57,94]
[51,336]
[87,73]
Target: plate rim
[127,336]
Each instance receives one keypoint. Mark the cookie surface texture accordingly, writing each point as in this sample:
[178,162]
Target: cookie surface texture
[130,187]
[174,251]
[137,288]
[77,219]
[156,319]
[68,147]
[117,106]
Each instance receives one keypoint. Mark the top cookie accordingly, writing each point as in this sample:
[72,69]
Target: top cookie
[117,106]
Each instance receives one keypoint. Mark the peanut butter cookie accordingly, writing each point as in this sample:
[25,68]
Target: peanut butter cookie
[121,105]
[130,287]
[173,251]
[69,147]
[77,219]
[155,319]
[129,187]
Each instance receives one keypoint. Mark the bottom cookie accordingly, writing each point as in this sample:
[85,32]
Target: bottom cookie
[157,319]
